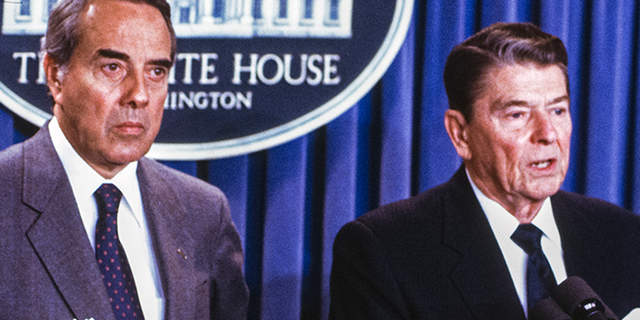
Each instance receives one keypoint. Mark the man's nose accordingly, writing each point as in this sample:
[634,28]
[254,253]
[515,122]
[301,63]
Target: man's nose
[136,90]
[544,130]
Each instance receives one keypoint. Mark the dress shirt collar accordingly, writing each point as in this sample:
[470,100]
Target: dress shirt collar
[85,181]
[504,223]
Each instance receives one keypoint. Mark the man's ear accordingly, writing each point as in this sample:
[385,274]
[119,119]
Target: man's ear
[457,128]
[54,75]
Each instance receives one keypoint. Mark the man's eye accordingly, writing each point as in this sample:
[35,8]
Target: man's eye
[112,67]
[559,111]
[517,115]
[158,72]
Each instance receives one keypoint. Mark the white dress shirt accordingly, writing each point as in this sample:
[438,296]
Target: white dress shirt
[132,225]
[504,224]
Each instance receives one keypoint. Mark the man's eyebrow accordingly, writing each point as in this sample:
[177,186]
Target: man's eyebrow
[558,100]
[112,54]
[166,63]
[501,105]
[108,53]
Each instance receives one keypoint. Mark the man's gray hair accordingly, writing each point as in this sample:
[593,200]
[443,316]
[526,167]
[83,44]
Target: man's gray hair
[63,28]
[495,46]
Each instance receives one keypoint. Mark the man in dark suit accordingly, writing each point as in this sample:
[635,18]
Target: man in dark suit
[89,228]
[455,251]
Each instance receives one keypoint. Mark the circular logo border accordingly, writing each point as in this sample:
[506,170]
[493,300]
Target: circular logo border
[277,135]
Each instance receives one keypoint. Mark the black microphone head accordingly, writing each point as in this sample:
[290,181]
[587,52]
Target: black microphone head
[547,309]
[579,301]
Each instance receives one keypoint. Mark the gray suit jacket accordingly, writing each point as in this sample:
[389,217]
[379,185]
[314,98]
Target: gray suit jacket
[47,265]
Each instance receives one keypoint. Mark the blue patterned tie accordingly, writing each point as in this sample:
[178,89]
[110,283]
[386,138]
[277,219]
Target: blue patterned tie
[540,279]
[111,258]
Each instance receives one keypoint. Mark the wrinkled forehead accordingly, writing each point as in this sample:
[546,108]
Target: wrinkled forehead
[107,13]
[115,24]
[494,76]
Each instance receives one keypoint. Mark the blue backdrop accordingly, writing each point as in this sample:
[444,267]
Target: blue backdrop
[289,201]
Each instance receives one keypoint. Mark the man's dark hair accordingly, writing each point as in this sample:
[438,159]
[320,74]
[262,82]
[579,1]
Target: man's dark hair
[495,46]
[63,28]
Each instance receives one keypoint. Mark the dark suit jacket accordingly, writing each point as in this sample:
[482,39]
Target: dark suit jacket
[434,256]
[47,265]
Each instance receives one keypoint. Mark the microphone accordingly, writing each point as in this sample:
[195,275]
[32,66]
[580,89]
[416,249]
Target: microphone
[547,309]
[579,301]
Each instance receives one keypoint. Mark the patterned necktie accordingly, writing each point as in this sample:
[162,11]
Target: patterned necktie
[540,279]
[111,258]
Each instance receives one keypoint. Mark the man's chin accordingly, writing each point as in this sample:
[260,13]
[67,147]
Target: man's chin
[543,191]
[127,154]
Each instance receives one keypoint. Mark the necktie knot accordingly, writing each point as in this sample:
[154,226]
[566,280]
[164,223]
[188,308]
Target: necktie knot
[108,198]
[527,236]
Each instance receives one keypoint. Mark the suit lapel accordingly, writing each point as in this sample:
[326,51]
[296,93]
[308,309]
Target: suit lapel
[58,235]
[173,245]
[481,275]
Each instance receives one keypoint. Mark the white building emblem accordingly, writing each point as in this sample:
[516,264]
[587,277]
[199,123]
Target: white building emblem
[216,18]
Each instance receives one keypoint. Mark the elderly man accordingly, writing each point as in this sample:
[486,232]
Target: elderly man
[499,236]
[90,229]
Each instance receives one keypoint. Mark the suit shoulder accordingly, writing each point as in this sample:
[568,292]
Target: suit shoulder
[178,180]
[11,164]
[425,209]
[588,204]
[11,156]
[599,211]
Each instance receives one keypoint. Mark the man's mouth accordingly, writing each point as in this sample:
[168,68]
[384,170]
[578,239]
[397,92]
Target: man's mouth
[131,127]
[542,164]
